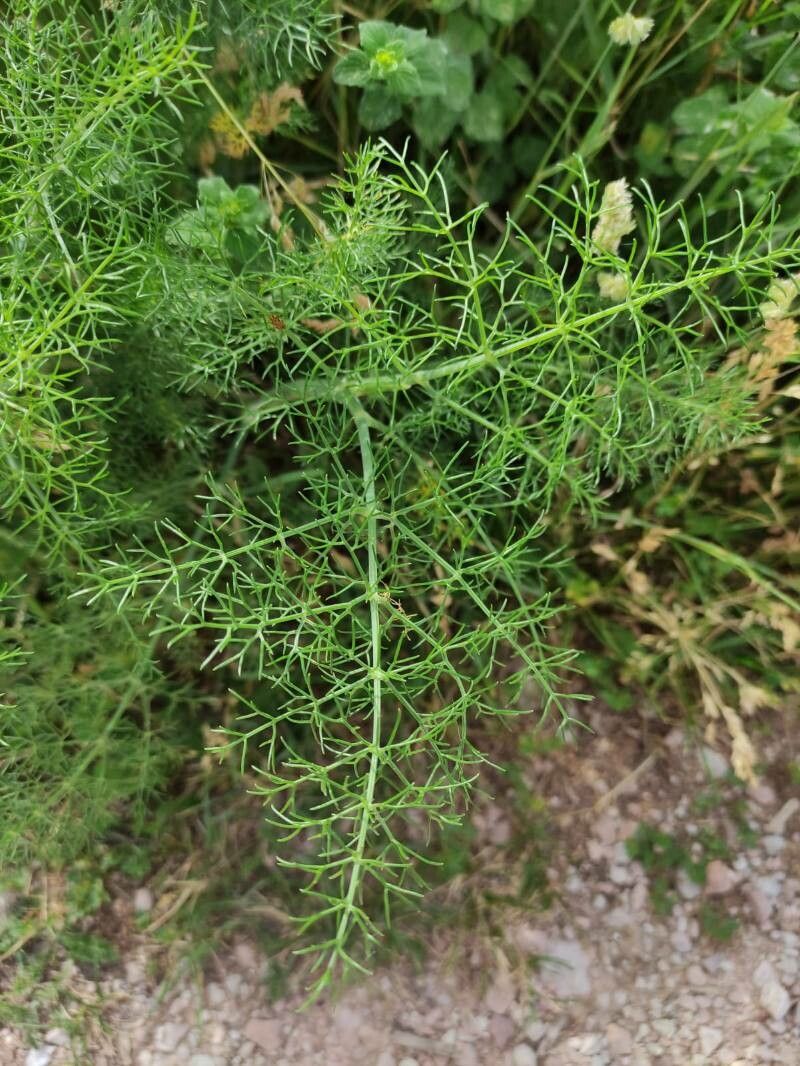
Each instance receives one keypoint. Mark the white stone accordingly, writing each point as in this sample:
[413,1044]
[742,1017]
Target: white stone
[523,1055]
[621,856]
[620,1041]
[619,918]
[501,993]
[566,971]
[529,940]
[681,941]
[535,1031]
[620,875]
[573,884]
[762,794]
[777,824]
[763,973]
[216,1033]
[664,1027]
[142,900]
[57,1037]
[267,1033]
[7,900]
[710,1039]
[167,1036]
[775,999]
[761,904]
[134,972]
[773,844]
[246,955]
[687,888]
[638,896]
[770,886]
[39,1056]
[215,994]
[714,762]
[201,1059]
[720,879]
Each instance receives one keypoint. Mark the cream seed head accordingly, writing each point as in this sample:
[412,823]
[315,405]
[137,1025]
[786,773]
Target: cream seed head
[630,30]
[780,297]
[616,216]
[612,287]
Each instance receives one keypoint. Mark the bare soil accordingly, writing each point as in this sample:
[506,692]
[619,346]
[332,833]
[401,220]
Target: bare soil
[552,947]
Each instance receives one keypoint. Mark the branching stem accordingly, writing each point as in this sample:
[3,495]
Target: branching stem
[368,468]
[351,386]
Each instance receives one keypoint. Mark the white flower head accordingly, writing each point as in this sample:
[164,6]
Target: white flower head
[616,216]
[612,287]
[780,297]
[628,29]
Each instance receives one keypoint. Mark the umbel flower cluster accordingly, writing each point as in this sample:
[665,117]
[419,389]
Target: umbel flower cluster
[628,29]
[615,221]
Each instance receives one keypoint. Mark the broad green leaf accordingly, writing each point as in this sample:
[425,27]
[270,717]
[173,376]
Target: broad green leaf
[352,69]
[484,119]
[506,11]
[700,114]
[213,192]
[378,108]
[527,152]
[430,62]
[375,34]
[405,82]
[434,121]
[465,34]
[458,85]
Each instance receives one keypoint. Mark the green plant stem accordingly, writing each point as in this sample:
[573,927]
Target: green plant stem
[357,861]
[342,388]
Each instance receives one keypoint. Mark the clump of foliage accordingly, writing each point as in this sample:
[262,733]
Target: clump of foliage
[320,421]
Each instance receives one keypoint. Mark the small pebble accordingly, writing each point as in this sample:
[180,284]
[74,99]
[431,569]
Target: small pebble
[215,994]
[142,900]
[620,875]
[775,999]
[524,1055]
[777,824]
[57,1037]
[710,1039]
[39,1056]
[720,879]
[687,888]
[714,763]
[773,844]
[681,942]
[620,1041]
[763,794]
[167,1037]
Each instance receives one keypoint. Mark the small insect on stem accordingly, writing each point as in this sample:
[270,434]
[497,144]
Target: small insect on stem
[276,322]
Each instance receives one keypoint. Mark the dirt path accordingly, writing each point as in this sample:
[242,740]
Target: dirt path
[635,962]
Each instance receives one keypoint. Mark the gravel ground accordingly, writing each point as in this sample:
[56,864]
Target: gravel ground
[598,979]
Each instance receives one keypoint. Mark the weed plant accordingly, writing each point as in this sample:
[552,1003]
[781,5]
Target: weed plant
[306,433]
